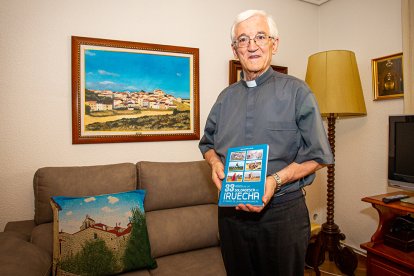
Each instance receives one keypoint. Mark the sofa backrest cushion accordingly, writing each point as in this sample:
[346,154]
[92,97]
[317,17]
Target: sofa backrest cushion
[176,184]
[181,206]
[79,181]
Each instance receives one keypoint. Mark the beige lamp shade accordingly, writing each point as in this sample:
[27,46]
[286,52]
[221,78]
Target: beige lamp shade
[334,79]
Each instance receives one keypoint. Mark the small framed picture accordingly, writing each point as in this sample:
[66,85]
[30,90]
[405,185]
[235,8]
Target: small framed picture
[387,77]
[235,70]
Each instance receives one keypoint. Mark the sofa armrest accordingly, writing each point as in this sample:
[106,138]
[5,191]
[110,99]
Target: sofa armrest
[24,227]
[19,257]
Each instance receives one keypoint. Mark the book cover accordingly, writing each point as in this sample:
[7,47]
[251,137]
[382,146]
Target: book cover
[245,176]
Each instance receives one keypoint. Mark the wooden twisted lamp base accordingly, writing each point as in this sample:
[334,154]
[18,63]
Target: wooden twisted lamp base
[330,236]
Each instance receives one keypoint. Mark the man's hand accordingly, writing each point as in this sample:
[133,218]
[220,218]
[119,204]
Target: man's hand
[268,195]
[290,173]
[217,174]
[217,167]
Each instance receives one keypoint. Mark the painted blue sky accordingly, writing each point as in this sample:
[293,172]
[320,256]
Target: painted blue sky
[107,209]
[128,71]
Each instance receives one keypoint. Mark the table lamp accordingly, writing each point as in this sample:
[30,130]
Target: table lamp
[334,79]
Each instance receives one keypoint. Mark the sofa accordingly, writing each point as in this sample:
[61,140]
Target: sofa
[180,210]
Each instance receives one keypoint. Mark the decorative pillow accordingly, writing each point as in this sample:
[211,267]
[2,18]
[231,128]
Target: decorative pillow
[100,235]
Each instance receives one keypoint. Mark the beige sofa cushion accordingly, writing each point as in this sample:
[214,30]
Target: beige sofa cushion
[24,227]
[182,229]
[205,262]
[79,181]
[179,184]
[19,257]
[42,236]
[181,206]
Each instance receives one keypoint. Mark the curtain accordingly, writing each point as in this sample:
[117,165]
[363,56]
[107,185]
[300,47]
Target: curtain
[407,10]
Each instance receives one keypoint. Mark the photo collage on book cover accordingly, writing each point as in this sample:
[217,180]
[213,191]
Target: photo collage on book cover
[245,166]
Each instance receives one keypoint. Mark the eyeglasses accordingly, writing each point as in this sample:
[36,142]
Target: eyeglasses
[244,41]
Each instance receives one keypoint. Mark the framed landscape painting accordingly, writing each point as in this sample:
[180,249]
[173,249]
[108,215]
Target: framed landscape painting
[133,92]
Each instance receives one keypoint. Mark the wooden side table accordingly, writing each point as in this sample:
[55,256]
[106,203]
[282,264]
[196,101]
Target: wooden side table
[382,259]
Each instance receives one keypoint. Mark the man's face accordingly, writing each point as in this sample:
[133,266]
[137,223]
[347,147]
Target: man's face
[254,59]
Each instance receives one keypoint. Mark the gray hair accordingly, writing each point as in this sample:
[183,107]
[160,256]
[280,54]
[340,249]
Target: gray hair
[250,13]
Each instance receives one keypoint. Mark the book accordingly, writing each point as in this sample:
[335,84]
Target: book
[245,176]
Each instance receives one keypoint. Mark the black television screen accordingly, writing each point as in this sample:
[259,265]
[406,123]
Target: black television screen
[401,152]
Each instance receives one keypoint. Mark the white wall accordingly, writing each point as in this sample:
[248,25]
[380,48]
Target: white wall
[35,85]
[35,75]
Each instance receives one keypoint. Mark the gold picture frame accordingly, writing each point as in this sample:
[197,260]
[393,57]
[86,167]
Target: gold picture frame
[235,70]
[387,77]
[126,91]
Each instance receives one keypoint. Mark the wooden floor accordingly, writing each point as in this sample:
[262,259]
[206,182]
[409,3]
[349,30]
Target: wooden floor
[329,268]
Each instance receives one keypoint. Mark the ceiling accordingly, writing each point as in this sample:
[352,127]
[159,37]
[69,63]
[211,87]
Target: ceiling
[316,2]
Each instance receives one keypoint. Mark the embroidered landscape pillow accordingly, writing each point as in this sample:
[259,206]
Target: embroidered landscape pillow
[100,235]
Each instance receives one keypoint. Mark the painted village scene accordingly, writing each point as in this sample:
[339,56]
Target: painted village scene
[101,235]
[135,92]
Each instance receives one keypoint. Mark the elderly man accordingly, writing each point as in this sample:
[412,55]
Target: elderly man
[266,107]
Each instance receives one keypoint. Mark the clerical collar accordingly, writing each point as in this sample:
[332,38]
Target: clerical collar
[259,80]
[251,83]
